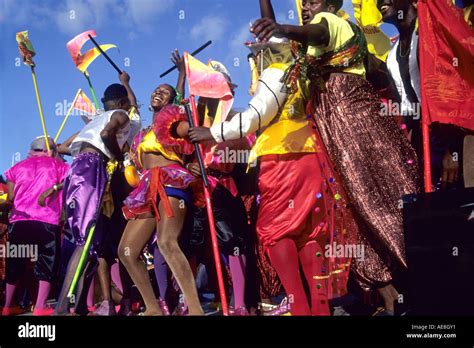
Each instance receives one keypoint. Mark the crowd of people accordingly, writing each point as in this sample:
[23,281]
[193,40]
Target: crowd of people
[123,228]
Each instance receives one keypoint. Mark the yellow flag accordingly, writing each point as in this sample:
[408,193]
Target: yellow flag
[369,18]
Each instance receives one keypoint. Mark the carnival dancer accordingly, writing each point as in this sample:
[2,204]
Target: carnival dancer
[160,200]
[34,186]
[375,161]
[111,225]
[293,211]
[100,141]
[229,211]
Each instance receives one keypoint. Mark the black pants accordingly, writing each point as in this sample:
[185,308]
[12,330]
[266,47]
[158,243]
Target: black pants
[230,220]
[33,241]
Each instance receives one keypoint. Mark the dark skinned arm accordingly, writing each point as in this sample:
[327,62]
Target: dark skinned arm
[109,134]
[309,34]
[49,192]
[182,129]
[179,62]
[63,148]
[266,9]
[125,80]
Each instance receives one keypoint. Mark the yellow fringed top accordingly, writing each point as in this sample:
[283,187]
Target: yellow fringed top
[151,144]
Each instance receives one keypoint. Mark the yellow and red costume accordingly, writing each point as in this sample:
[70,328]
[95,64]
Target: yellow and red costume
[160,182]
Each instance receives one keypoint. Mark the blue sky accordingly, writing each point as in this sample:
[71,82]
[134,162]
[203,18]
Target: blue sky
[145,32]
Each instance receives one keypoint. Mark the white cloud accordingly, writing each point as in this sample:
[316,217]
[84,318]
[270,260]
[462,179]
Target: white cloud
[236,43]
[132,36]
[144,12]
[22,13]
[74,16]
[209,28]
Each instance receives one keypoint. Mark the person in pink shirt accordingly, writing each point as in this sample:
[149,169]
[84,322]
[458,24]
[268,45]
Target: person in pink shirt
[35,200]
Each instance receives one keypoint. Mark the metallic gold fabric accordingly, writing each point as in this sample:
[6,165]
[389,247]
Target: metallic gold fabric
[377,165]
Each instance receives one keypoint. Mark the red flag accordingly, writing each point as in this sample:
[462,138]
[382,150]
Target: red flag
[446,51]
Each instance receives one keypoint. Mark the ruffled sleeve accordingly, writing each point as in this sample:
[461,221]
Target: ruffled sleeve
[165,122]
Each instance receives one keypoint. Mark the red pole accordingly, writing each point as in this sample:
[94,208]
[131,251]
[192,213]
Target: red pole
[422,13]
[212,226]
[426,156]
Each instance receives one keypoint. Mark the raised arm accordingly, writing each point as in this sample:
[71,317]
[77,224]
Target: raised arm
[125,80]
[266,9]
[179,62]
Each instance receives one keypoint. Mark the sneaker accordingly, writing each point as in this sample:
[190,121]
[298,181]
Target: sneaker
[164,307]
[282,309]
[10,311]
[239,312]
[43,312]
[106,308]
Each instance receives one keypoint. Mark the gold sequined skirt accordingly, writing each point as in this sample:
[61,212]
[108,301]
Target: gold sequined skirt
[377,165]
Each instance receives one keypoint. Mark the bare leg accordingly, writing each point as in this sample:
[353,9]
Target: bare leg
[136,235]
[168,231]
[103,273]
[389,295]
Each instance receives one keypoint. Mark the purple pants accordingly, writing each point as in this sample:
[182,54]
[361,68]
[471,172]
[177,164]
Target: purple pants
[83,190]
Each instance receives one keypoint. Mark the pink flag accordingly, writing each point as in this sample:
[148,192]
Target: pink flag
[84,104]
[82,61]
[206,82]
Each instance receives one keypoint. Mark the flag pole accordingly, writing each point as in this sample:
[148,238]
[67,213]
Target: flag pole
[67,116]
[105,54]
[193,120]
[86,74]
[425,130]
[427,157]
[193,54]
[38,99]
[80,265]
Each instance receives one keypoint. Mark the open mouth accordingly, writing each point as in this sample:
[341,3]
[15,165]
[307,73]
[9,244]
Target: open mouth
[157,99]
[306,17]
[384,8]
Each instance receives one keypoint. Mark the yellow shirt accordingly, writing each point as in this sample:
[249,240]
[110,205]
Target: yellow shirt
[290,132]
[339,32]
